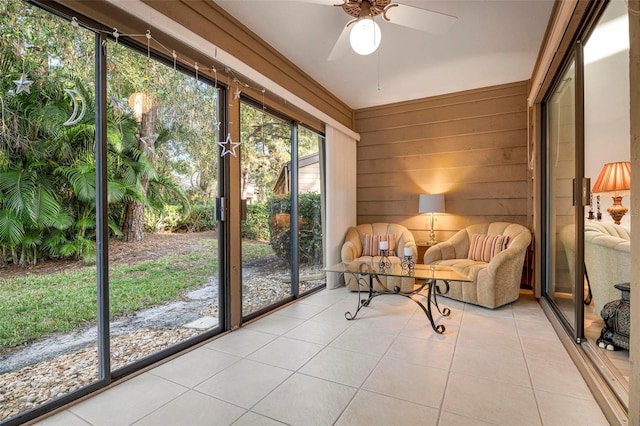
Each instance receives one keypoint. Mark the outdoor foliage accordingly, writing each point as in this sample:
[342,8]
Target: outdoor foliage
[310,235]
[48,169]
[256,226]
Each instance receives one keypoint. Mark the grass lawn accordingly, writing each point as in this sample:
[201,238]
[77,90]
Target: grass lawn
[32,306]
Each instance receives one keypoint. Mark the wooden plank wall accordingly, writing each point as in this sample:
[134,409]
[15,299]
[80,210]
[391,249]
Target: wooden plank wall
[471,146]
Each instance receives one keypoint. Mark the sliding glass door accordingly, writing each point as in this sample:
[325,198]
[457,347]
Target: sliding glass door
[562,242]
[587,250]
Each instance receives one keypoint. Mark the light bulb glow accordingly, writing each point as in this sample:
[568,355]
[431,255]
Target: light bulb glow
[365,36]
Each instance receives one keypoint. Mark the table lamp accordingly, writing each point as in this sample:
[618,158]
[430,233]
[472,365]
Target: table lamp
[615,177]
[431,203]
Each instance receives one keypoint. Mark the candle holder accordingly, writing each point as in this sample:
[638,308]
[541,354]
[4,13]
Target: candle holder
[408,265]
[384,263]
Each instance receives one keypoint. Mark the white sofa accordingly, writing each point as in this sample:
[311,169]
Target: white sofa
[607,258]
[352,250]
[497,281]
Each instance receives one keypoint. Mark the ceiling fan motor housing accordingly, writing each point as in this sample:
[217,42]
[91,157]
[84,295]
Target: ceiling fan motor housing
[355,7]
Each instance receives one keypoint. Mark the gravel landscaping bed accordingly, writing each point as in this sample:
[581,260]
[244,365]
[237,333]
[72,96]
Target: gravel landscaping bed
[28,381]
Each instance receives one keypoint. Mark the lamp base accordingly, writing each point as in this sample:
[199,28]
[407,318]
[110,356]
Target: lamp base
[617,210]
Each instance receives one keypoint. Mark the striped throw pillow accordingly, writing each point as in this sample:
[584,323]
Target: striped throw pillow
[371,244]
[484,247]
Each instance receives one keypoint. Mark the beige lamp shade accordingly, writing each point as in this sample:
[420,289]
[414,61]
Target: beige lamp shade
[431,203]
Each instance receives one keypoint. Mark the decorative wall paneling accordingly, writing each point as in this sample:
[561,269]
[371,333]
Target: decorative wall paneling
[471,146]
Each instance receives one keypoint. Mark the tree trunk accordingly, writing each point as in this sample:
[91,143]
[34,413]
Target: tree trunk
[133,226]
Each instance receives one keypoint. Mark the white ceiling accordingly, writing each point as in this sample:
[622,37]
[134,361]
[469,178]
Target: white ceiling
[492,42]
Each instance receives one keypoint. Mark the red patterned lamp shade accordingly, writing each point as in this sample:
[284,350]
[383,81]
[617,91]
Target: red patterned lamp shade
[615,177]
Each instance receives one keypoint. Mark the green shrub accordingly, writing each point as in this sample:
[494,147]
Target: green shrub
[256,226]
[310,228]
[172,219]
[202,218]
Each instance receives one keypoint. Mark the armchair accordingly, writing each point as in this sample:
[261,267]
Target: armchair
[493,253]
[607,258]
[356,248]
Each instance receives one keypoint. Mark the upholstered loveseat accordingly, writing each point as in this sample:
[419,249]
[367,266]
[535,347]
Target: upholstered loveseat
[493,253]
[361,244]
[607,258]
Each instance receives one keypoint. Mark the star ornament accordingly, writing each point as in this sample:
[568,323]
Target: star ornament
[228,146]
[23,85]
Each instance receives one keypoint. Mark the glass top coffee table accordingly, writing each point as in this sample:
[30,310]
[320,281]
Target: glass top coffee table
[426,277]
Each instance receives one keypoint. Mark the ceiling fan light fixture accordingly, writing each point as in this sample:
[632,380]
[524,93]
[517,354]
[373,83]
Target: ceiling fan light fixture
[365,36]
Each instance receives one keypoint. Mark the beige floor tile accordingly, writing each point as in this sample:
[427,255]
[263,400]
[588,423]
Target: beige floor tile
[453,304]
[193,408]
[341,366]
[559,377]
[429,353]
[414,383]
[300,310]
[319,332]
[287,353]
[335,313]
[181,369]
[253,419]
[503,366]
[275,324]
[505,311]
[244,383]
[382,322]
[490,400]
[364,340]
[128,401]
[241,342]
[538,329]
[531,313]
[535,347]
[371,409]
[450,419]
[64,418]
[326,298]
[560,410]
[419,326]
[489,340]
[475,323]
[304,400]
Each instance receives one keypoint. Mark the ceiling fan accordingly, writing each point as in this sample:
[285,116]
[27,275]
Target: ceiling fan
[363,33]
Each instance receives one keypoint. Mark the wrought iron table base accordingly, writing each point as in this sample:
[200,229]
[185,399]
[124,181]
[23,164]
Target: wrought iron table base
[413,295]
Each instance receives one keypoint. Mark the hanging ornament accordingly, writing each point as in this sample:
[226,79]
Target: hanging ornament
[262,141]
[76,115]
[237,92]
[23,85]
[228,146]
[217,122]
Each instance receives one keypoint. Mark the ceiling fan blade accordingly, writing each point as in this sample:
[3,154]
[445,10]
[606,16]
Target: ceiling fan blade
[325,2]
[419,19]
[342,45]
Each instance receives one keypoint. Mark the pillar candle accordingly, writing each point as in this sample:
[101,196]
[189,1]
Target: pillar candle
[408,251]
[384,245]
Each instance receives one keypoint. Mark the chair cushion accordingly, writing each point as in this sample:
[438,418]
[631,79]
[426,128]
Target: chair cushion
[485,246]
[371,244]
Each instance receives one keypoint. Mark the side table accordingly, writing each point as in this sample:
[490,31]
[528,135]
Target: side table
[423,246]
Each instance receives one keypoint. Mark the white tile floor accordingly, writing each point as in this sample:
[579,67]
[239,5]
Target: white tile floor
[307,365]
